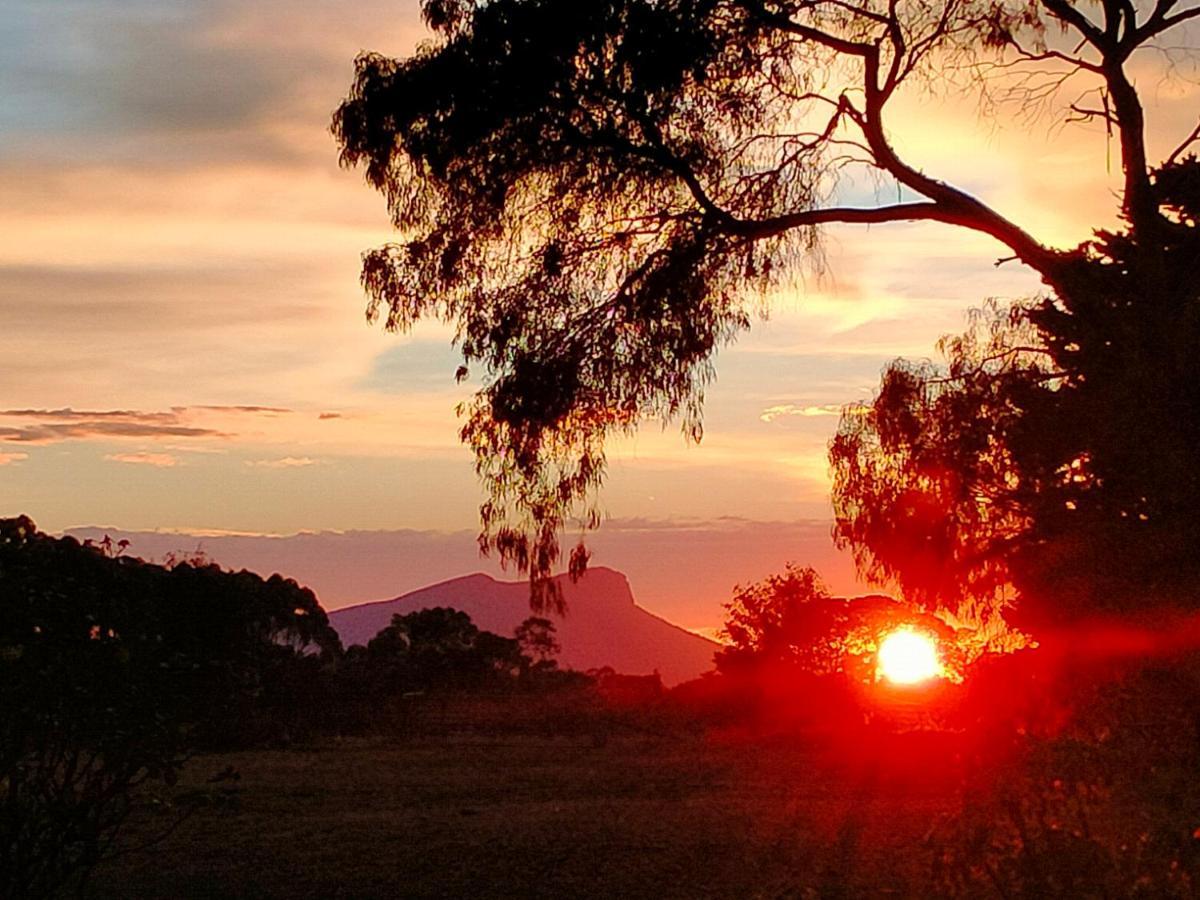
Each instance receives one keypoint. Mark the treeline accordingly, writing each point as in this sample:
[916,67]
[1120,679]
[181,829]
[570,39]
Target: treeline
[114,670]
[1077,766]
[435,670]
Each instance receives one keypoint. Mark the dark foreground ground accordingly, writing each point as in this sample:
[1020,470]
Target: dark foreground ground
[539,817]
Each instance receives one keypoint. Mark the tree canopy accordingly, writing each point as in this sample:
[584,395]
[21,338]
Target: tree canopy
[594,193]
[1055,452]
[538,642]
[442,647]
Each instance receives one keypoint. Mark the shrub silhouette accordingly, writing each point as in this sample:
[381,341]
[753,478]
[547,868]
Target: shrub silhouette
[442,648]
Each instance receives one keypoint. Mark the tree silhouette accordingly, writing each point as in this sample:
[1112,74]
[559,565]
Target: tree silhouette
[441,648]
[761,621]
[111,671]
[589,192]
[926,491]
[90,708]
[790,620]
[536,638]
[1055,453]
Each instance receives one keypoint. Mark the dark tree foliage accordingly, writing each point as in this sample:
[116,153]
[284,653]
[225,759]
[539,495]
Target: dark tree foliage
[594,192]
[1115,525]
[441,648]
[926,490]
[763,619]
[536,158]
[790,621]
[111,670]
[431,660]
[536,638]
[1056,452]
[258,647]
[88,695]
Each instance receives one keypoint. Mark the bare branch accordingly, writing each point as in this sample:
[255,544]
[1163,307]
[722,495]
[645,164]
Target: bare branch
[916,211]
[953,205]
[1187,142]
[808,33]
[896,35]
[1026,56]
[854,10]
[1069,15]
[1084,114]
[851,215]
[1157,24]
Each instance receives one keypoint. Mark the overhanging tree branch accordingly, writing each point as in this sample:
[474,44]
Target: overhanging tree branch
[509,148]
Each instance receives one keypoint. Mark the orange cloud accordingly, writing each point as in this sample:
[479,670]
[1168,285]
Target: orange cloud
[287,462]
[141,458]
[7,459]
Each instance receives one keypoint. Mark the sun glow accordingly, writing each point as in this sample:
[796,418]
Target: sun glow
[907,657]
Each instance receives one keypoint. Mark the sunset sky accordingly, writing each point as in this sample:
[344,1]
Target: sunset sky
[183,328]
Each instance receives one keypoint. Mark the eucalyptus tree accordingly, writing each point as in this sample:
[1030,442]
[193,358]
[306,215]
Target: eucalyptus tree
[593,192]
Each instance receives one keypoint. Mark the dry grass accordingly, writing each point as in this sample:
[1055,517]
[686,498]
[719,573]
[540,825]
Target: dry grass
[535,817]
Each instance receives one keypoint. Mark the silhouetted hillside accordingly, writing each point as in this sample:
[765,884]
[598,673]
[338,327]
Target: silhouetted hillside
[603,625]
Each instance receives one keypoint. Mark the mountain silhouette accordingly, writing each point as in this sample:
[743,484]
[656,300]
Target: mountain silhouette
[603,626]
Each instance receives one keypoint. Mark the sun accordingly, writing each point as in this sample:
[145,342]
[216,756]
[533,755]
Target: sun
[907,657]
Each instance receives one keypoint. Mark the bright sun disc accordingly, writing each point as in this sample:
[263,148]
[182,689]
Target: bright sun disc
[907,656]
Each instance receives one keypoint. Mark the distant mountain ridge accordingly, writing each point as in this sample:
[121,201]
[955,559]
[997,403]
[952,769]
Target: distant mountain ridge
[350,567]
[603,625]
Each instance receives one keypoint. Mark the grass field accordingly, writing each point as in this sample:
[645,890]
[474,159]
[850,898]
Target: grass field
[537,817]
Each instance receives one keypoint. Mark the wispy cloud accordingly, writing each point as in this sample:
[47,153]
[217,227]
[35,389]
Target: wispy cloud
[67,414]
[53,433]
[7,459]
[143,458]
[48,426]
[174,414]
[771,413]
[786,410]
[250,410]
[287,462]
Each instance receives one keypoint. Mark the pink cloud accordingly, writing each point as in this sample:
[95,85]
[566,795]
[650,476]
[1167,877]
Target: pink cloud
[47,426]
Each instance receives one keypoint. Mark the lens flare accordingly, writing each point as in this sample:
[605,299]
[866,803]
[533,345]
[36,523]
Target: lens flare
[907,657]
